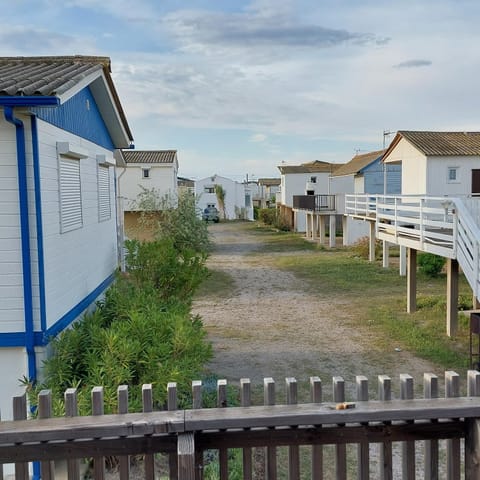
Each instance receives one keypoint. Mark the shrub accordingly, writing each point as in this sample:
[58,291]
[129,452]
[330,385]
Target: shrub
[361,248]
[430,264]
[270,216]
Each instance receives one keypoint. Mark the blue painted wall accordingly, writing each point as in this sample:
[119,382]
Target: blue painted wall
[374,175]
[79,115]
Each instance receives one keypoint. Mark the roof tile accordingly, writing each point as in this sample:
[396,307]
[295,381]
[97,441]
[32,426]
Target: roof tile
[444,143]
[149,156]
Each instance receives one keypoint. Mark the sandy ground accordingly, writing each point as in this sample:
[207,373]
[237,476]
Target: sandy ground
[273,326]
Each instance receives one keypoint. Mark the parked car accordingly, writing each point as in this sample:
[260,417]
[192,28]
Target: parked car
[211,214]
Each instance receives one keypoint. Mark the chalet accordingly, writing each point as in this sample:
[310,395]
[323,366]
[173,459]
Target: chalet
[60,122]
[267,192]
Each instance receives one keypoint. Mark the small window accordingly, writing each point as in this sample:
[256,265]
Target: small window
[209,189]
[313,179]
[71,216]
[104,208]
[145,173]
[452,175]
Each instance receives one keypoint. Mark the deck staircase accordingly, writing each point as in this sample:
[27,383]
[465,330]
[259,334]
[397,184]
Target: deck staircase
[446,226]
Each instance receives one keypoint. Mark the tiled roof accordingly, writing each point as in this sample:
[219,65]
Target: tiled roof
[357,163]
[269,182]
[443,143]
[149,156]
[316,166]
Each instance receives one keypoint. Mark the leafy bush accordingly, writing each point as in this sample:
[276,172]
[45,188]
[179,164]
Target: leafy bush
[430,264]
[361,248]
[270,216]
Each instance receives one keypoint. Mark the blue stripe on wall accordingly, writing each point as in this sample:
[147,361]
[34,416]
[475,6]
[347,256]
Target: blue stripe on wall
[79,115]
[17,339]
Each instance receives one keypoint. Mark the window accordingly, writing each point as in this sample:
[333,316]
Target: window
[209,189]
[104,208]
[70,194]
[452,175]
[313,179]
[145,173]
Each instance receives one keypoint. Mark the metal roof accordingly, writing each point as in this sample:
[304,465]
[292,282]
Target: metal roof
[357,163]
[149,156]
[440,143]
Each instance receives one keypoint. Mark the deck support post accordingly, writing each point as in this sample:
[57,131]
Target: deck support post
[371,242]
[345,230]
[411,280]
[332,232]
[321,230]
[403,261]
[308,229]
[452,296]
[386,254]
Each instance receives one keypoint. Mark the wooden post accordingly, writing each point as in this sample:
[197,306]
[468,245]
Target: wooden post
[269,399]
[293,451]
[196,404]
[403,261]
[385,254]
[473,383]
[321,230]
[147,406]
[223,452]
[317,450]
[186,456]
[246,401]
[385,463]
[307,225]
[20,413]
[172,405]
[408,448]
[472,449]
[345,230]
[124,460]
[98,409]
[363,450]
[71,410]
[452,389]
[47,468]
[332,241]
[371,242]
[452,297]
[411,280]
[430,390]
[340,449]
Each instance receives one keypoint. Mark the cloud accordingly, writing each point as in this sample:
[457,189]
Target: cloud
[258,138]
[413,64]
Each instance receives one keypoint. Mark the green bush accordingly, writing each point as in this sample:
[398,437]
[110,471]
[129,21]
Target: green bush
[430,264]
[361,248]
[270,216]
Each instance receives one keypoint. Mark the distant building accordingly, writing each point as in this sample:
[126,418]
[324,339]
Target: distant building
[268,188]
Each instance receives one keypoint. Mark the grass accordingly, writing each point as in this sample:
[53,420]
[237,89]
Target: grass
[218,284]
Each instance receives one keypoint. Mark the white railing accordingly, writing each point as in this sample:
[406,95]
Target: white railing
[446,226]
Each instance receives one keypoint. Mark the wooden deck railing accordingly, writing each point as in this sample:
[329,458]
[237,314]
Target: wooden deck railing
[383,438]
[314,203]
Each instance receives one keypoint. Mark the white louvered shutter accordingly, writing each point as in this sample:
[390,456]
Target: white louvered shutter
[104,207]
[70,195]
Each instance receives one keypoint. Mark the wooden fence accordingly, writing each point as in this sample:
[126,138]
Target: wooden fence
[391,436]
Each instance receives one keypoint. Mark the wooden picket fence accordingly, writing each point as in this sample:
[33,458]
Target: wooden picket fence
[360,437]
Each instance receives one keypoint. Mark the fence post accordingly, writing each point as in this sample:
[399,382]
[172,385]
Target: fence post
[147,406]
[20,413]
[473,383]
[245,401]
[452,389]
[124,460]
[172,404]
[408,448]
[363,450]
[98,409]
[340,449]
[269,399]
[293,451]
[186,456]
[385,463]
[197,403]
[47,468]
[317,450]
[223,452]
[430,390]
[472,449]
[71,410]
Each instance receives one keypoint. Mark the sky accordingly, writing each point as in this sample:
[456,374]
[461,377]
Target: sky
[240,87]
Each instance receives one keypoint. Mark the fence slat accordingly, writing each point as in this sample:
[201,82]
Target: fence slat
[452,389]
[473,383]
[71,410]
[47,468]
[385,463]
[196,404]
[472,449]
[172,404]
[408,448]
[340,449]
[98,409]
[223,452]
[20,413]
[430,390]
[317,450]
[293,451]
[186,456]
[271,456]
[363,450]
[147,406]
[124,460]
[246,401]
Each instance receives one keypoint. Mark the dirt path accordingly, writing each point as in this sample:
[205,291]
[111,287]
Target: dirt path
[271,326]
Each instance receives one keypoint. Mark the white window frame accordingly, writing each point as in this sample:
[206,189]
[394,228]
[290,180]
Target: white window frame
[104,194]
[70,193]
[457,171]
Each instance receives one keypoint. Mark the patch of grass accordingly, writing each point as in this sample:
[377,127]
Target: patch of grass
[218,284]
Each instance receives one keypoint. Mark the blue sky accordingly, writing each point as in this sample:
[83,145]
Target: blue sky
[238,87]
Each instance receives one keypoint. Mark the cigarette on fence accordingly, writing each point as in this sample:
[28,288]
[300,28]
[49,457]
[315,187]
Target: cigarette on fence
[344,405]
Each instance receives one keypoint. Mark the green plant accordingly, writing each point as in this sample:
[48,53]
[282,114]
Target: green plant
[361,248]
[221,193]
[430,264]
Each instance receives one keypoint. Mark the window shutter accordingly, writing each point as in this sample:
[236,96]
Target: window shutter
[70,195]
[104,207]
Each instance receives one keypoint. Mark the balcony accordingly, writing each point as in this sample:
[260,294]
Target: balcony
[314,203]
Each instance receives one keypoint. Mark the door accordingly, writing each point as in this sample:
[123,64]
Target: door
[476,182]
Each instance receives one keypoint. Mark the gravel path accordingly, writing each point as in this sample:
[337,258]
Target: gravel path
[273,326]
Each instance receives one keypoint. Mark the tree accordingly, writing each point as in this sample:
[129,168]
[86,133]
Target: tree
[221,194]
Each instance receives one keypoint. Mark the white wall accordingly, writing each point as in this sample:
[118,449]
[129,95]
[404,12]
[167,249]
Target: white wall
[296,183]
[163,178]
[355,230]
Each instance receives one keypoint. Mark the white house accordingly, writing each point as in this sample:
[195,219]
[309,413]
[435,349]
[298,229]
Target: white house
[310,178]
[238,197]
[60,122]
[145,170]
[364,173]
[437,163]
[267,191]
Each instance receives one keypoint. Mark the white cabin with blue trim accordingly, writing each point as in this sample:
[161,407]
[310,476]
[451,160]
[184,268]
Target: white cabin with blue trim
[60,122]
